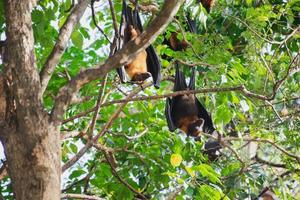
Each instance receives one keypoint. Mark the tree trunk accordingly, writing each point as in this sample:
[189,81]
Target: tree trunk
[31,142]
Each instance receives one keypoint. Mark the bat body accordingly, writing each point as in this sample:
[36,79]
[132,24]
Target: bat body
[188,114]
[146,63]
[137,69]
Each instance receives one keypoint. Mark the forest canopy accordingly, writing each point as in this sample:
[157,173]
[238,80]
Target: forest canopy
[114,139]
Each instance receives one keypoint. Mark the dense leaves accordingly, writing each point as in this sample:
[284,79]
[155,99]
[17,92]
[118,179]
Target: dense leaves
[250,43]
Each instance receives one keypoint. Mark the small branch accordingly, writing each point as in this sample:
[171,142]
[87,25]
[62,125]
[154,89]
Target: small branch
[62,41]
[95,22]
[133,137]
[275,111]
[80,196]
[195,64]
[97,107]
[71,134]
[260,160]
[121,180]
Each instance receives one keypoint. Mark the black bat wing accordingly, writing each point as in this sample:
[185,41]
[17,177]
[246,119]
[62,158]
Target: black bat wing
[202,113]
[191,24]
[154,65]
[168,113]
[180,83]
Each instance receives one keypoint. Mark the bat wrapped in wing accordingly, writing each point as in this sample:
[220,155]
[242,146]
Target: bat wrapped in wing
[188,114]
[147,62]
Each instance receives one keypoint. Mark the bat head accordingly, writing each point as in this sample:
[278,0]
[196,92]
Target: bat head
[133,32]
[195,128]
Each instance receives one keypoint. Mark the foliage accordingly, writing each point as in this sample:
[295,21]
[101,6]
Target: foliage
[240,43]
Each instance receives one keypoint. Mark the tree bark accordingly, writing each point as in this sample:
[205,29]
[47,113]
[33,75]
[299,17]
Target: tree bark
[31,142]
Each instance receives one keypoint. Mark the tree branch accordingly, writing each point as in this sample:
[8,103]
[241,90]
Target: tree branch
[265,162]
[120,179]
[122,57]
[80,196]
[62,41]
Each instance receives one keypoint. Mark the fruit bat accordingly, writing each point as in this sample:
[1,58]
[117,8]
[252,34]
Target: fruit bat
[146,63]
[180,45]
[188,114]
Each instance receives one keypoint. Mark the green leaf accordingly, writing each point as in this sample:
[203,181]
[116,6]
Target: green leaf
[77,39]
[207,171]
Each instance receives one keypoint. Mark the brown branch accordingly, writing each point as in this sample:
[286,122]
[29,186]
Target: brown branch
[173,94]
[195,64]
[122,57]
[63,38]
[132,137]
[121,180]
[265,162]
[71,134]
[275,111]
[80,196]
[97,107]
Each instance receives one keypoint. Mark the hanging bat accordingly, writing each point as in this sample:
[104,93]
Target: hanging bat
[180,45]
[146,63]
[207,4]
[188,114]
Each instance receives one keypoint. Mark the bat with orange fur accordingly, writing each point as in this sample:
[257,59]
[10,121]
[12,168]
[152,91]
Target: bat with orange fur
[186,113]
[146,64]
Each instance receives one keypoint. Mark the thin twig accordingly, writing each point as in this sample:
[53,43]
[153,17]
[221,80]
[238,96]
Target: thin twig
[121,180]
[95,22]
[265,162]
[275,111]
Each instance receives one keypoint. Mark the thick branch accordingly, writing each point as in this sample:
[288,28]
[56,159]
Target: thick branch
[62,41]
[122,57]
